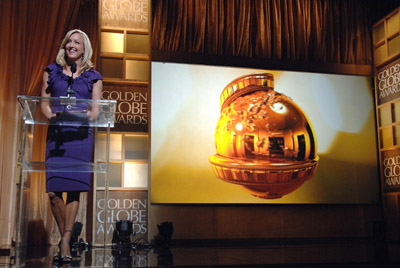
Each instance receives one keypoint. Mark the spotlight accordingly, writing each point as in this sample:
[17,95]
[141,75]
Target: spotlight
[76,231]
[78,245]
[122,233]
[165,230]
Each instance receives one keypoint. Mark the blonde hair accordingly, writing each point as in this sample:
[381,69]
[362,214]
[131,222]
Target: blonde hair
[87,64]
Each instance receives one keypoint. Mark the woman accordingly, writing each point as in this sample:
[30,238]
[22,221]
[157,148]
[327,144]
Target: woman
[69,143]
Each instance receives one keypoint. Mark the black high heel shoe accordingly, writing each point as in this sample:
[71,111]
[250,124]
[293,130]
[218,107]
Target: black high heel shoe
[67,259]
[57,257]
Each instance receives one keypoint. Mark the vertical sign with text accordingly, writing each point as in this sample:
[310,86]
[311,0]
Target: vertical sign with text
[132,106]
[129,14]
[120,205]
[391,170]
[388,82]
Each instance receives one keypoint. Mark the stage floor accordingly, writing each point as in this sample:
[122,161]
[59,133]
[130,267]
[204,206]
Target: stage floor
[338,253]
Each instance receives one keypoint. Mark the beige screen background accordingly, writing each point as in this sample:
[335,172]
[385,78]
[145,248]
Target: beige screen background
[185,109]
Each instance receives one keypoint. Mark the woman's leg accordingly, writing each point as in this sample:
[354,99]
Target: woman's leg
[71,209]
[58,209]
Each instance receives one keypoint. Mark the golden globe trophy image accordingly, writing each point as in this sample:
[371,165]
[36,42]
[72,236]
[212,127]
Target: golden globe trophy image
[264,141]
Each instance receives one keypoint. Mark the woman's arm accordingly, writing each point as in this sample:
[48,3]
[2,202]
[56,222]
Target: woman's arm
[45,105]
[96,95]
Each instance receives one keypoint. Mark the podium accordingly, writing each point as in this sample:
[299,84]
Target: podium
[68,111]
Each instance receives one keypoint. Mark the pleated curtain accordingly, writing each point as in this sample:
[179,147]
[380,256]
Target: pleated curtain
[327,31]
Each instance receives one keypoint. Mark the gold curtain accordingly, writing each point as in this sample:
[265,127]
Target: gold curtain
[30,34]
[328,31]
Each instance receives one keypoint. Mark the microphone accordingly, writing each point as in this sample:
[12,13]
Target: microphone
[73,67]
[70,91]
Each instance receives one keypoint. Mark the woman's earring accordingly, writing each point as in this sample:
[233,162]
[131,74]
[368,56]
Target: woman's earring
[83,56]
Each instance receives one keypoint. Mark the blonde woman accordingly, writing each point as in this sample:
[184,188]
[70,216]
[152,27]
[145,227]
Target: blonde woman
[74,69]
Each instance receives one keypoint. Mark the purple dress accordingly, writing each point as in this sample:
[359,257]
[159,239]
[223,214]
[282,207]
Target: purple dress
[69,144]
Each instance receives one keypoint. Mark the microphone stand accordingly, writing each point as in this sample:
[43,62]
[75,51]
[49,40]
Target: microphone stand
[69,100]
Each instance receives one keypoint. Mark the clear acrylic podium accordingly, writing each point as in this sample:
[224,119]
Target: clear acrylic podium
[99,114]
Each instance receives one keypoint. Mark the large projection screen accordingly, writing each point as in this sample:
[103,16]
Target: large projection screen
[185,109]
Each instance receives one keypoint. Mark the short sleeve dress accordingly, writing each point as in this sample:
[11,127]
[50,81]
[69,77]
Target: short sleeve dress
[69,144]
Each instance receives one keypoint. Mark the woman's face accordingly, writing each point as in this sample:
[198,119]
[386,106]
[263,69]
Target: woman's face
[74,47]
